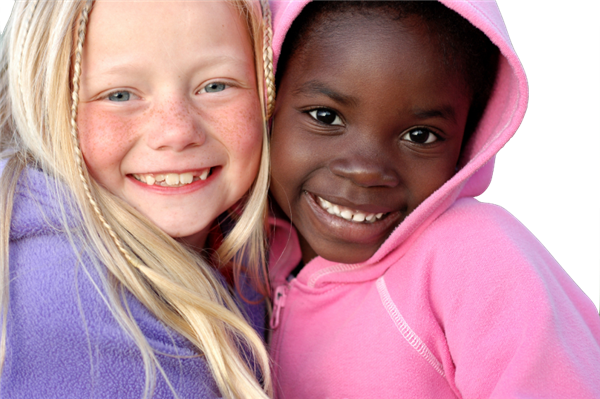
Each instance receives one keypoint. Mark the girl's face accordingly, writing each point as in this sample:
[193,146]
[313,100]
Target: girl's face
[368,124]
[169,118]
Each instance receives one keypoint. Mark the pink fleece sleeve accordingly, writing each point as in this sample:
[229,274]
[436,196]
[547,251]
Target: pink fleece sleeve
[516,325]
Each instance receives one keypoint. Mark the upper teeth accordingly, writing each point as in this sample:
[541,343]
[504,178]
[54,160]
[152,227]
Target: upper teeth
[347,213]
[171,179]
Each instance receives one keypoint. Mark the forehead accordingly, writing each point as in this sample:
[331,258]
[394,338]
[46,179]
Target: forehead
[372,46]
[134,32]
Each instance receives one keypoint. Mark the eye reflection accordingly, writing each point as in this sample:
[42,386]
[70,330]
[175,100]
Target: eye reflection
[420,136]
[326,116]
[215,87]
[119,96]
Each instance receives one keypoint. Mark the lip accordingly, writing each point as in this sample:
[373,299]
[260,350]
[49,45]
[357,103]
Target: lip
[348,231]
[188,188]
[195,172]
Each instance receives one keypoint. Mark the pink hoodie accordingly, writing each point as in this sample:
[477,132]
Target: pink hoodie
[461,301]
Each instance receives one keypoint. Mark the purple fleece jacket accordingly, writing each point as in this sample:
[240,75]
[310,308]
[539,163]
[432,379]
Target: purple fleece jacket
[63,342]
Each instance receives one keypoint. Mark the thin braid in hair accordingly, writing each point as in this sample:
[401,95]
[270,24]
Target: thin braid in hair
[268,58]
[22,45]
[74,134]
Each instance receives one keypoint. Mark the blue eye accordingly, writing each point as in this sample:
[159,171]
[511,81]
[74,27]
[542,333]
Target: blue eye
[326,116]
[119,96]
[215,87]
[420,135]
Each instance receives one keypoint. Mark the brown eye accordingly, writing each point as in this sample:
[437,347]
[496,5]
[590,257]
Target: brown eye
[326,116]
[420,136]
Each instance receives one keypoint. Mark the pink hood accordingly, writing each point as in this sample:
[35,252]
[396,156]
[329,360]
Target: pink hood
[461,301]
[503,115]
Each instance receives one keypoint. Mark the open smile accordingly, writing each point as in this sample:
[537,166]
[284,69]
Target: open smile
[348,224]
[173,179]
[347,213]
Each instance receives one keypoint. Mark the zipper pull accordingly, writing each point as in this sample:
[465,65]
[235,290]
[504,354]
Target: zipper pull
[279,302]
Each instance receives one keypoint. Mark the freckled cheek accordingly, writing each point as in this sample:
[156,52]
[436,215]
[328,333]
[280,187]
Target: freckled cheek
[239,128]
[105,139]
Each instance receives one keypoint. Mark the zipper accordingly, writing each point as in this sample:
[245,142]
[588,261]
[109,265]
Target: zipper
[279,302]
[279,299]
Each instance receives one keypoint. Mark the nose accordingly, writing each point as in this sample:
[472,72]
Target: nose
[174,126]
[365,169]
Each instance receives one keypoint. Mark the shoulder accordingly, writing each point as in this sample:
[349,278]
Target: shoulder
[64,337]
[469,218]
[483,248]
[483,273]
[476,236]
[503,304]
[62,333]
[41,205]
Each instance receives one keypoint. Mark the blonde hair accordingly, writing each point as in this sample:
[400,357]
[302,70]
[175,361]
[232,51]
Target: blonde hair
[39,81]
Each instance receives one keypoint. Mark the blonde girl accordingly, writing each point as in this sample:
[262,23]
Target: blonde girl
[133,179]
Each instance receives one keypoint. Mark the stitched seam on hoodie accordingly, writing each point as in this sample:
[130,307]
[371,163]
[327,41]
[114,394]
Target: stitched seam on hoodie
[402,326]
[340,267]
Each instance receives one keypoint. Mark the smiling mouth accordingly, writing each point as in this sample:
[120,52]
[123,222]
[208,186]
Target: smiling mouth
[348,214]
[173,179]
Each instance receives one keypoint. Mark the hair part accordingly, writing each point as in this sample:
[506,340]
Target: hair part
[39,82]
[466,51]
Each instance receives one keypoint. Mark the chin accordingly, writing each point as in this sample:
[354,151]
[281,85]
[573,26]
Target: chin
[195,237]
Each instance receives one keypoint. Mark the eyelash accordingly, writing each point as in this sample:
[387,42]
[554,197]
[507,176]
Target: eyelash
[203,89]
[112,93]
[404,136]
[130,94]
[332,112]
[313,113]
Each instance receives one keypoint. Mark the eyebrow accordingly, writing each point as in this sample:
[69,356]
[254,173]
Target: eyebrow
[445,112]
[314,87]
